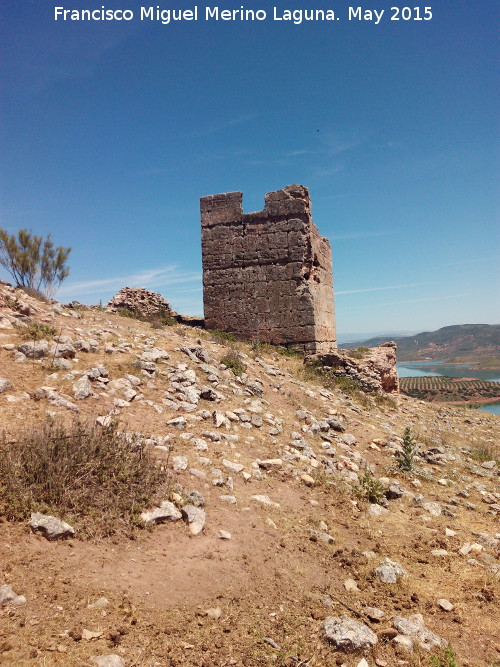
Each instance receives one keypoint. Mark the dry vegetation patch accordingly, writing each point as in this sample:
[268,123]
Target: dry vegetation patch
[93,477]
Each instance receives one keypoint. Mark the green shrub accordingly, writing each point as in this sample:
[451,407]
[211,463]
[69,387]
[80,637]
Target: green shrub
[288,351]
[33,262]
[222,336]
[446,659]
[161,319]
[369,487]
[157,320]
[316,372]
[358,353]
[126,312]
[93,477]
[270,348]
[384,401]
[38,331]
[347,385]
[234,361]
[485,452]
[406,458]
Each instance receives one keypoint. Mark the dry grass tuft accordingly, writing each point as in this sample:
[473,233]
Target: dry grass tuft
[485,452]
[35,294]
[95,478]
[38,331]
[234,361]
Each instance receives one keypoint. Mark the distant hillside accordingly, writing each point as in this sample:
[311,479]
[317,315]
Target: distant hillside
[460,342]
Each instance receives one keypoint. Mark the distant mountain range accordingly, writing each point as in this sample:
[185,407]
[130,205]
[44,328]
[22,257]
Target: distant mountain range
[347,340]
[459,342]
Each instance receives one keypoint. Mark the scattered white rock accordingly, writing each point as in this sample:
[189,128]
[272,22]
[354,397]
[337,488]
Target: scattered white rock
[229,499]
[104,420]
[376,510]
[271,464]
[54,398]
[110,660]
[51,527]
[195,517]
[362,663]
[100,603]
[4,385]
[166,512]
[414,627]
[445,604]
[7,596]
[404,642]
[233,467]
[62,364]
[320,536]
[374,614]
[35,350]
[177,422]
[179,463]
[388,572]
[82,388]
[394,491]
[265,500]
[347,634]
[351,586]
[434,509]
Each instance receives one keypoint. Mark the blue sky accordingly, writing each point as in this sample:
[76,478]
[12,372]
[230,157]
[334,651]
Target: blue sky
[111,132]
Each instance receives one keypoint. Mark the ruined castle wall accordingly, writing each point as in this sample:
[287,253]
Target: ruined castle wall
[267,275]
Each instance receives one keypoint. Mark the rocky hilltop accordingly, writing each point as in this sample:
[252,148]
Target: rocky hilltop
[298,521]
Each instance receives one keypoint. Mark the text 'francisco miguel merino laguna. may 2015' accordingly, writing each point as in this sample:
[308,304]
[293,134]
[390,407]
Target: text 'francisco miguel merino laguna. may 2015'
[166,16]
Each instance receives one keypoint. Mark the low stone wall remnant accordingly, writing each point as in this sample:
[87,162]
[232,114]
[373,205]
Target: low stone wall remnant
[374,369]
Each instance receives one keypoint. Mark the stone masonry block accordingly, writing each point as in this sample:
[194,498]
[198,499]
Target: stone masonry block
[267,275]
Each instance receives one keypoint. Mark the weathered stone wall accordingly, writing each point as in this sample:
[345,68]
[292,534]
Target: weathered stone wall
[267,275]
[374,370]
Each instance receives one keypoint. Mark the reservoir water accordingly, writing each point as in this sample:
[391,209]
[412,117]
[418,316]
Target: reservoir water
[438,368]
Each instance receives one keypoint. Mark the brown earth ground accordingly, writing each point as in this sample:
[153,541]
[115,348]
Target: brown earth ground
[271,580]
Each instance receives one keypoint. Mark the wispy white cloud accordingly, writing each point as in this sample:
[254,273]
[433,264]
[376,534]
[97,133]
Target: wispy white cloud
[336,145]
[329,171]
[159,277]
[230,122]
[404,301]
[380,289]
[477,260]
[305,151]
[200,158]
[275,161]
[189,290]
[356,235]
[69,57]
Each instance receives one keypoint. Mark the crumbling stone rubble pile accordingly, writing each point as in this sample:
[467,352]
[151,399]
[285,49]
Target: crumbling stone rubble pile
[140,301]
[373,369]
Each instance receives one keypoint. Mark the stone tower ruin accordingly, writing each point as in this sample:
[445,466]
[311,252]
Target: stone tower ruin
[267,275]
